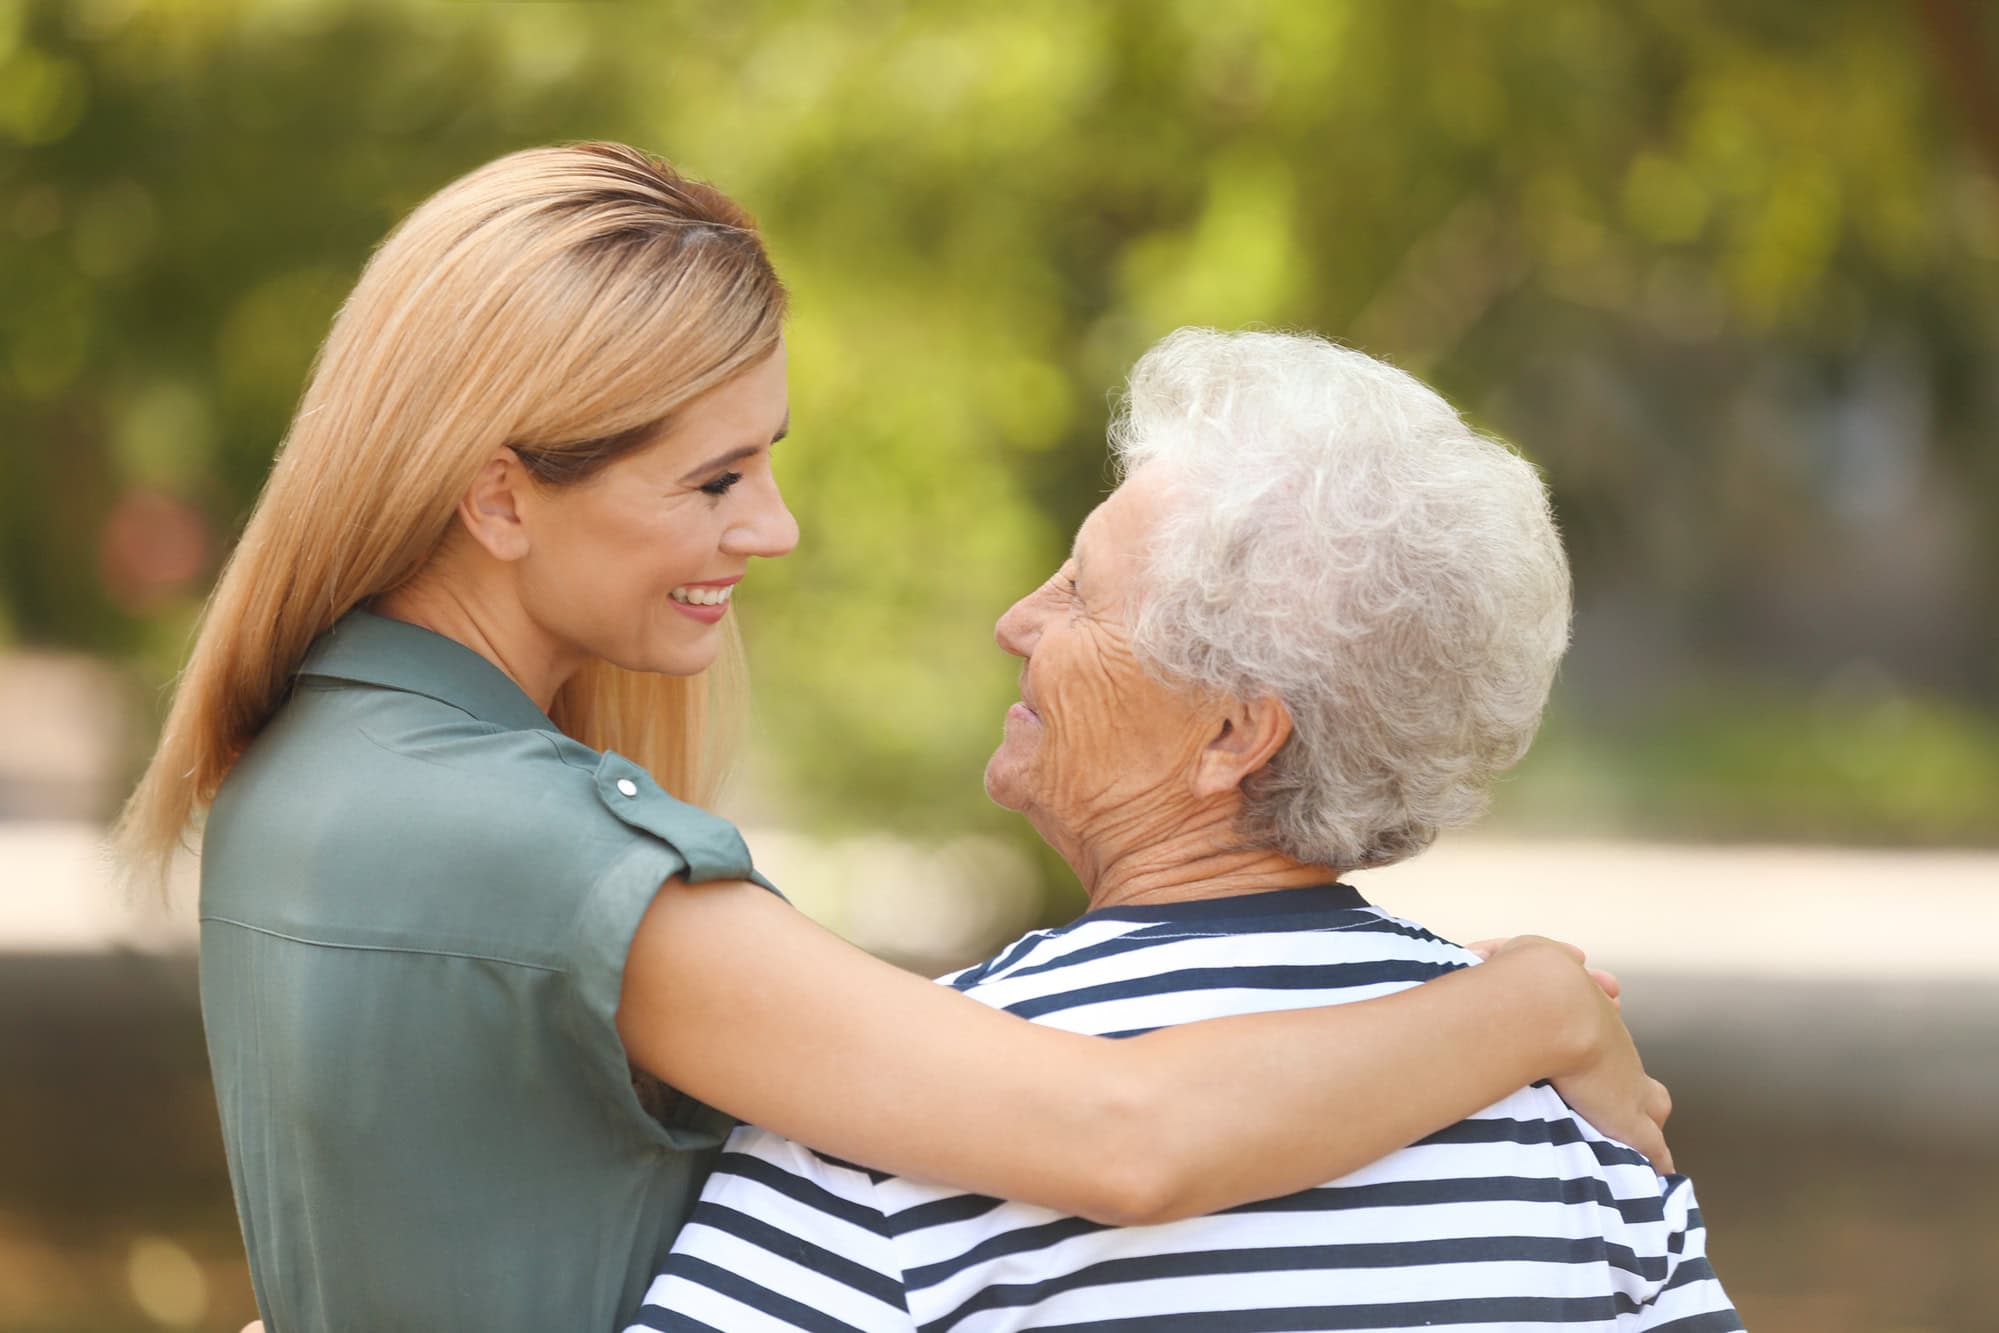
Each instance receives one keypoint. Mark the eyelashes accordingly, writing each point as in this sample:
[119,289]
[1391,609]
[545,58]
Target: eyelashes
[721,485]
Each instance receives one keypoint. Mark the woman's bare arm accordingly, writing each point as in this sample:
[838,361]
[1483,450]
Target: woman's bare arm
[736,998]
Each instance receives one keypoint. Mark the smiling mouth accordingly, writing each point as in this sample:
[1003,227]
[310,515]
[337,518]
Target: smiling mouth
[698,595]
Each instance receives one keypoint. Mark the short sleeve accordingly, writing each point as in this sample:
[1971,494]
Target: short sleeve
[670,838]
[782,1238]
[709,846]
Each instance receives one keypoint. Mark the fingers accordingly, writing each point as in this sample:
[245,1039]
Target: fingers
[1567,948]
[1486,949]
[1648,1135]
[1605,979]
[1608,982]
[1659,1103]
[1651,1141]
[1658,1107]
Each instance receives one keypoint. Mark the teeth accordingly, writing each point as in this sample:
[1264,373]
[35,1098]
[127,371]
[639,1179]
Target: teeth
[702,596]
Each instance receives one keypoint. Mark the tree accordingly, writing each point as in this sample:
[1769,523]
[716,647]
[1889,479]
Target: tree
[1726,270]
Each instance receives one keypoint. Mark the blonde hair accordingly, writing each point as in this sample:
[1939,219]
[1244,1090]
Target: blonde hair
[564,302]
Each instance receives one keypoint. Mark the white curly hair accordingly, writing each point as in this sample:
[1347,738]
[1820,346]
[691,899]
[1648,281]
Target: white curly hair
[1337,536]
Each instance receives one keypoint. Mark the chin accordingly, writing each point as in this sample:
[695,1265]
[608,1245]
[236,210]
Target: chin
[1001,788]
[679,659]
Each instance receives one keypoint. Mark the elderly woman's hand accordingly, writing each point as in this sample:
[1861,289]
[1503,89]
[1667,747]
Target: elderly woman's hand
[1604,1080]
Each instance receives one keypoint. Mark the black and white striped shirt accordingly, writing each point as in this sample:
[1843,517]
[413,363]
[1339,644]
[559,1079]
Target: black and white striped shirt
[1522,1217]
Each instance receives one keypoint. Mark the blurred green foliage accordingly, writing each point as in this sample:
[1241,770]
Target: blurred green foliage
[1729,269]
[1747,761]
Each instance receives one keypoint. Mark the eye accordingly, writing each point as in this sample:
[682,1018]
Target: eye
[722,484]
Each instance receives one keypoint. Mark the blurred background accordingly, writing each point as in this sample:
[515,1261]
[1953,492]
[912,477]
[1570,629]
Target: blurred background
[1728,270]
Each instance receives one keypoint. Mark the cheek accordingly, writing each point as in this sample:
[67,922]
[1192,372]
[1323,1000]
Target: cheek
[599,570]
[1085,745]
[602,565]
[643,555]
[1097,698]
[1136,733]
[685,545]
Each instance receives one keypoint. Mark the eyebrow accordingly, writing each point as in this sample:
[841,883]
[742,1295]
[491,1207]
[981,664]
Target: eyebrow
[738,455]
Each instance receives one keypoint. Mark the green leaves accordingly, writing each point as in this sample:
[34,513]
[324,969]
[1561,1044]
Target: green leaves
[1661,245]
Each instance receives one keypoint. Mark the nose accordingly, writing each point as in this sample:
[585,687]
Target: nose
[1019,628]
[767,529]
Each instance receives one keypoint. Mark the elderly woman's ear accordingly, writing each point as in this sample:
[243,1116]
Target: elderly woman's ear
[1246,736]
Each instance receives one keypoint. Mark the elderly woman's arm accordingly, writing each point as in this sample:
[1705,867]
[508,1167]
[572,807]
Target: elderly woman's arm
[737,999]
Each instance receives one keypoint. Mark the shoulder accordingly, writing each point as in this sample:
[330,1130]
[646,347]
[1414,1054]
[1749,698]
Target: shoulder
[1113,974]
[352,760]
[394,813]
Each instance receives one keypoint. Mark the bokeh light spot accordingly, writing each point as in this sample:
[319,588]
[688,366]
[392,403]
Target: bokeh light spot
[166,1282]
[152,548]
[42,97]
[1664,200]
[166,437]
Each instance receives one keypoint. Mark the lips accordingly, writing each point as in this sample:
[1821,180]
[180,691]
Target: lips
[706,602]
[714,592]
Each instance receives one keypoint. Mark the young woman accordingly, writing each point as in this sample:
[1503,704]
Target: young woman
[475,633]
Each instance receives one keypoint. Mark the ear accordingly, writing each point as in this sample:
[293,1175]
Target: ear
[490,509]
[1247,734]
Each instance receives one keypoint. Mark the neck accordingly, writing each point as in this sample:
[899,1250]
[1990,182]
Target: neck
[495,627]
[1195,859]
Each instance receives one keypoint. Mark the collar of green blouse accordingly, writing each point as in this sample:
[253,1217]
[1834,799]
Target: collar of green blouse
[368,649]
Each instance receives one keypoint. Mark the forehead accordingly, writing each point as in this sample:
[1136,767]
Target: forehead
[739,416]
[1121,525]
[754,402]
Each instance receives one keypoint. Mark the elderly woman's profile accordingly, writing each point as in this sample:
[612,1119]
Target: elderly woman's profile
[485,987]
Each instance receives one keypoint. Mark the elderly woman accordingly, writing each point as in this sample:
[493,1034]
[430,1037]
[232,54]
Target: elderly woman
[1315,620]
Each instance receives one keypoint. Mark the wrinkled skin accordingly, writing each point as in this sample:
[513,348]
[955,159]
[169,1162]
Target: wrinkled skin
[1134,780]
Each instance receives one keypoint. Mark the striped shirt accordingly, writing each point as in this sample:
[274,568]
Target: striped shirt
[1521,1217]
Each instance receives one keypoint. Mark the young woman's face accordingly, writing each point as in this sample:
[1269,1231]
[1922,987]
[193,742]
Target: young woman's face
[636,565]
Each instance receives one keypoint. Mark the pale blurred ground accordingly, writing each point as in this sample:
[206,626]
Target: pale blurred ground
[1810,914]
[1828,1019]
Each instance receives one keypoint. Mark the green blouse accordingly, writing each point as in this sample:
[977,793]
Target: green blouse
[416,901]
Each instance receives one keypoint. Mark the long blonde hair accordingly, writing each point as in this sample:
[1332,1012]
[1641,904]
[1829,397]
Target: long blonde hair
[561,301]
